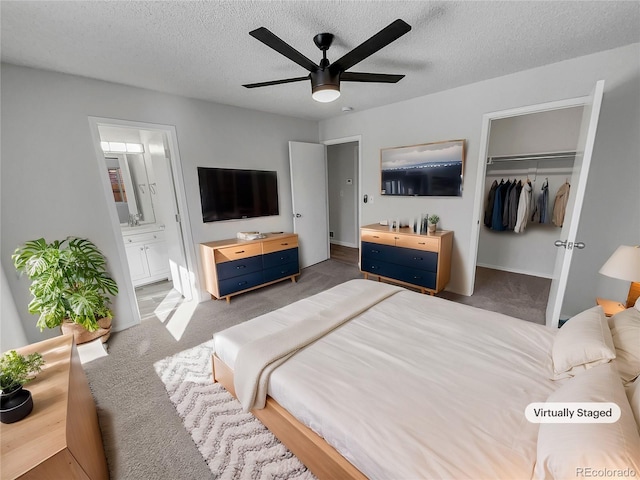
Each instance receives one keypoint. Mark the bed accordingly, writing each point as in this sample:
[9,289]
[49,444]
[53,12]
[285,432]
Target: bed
[405,385]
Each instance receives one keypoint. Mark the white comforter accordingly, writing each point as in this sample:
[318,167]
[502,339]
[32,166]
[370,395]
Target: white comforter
[415,387]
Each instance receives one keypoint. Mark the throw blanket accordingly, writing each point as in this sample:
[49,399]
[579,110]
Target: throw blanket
[257,359]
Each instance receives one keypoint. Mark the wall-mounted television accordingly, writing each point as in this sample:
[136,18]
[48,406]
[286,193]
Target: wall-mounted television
[231,194]
[430,169]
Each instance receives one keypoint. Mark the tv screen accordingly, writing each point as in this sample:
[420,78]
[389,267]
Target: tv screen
[231,194]
[433,169]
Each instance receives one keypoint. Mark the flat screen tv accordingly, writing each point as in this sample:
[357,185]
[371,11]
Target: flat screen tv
[231,194]
[431,170]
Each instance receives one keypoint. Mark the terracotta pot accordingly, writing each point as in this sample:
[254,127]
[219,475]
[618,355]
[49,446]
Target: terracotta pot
[82,335]
[432,228]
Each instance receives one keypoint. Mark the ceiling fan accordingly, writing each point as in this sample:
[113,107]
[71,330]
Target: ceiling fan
[326,77]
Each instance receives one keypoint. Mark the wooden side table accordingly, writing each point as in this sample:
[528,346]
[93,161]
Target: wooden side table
[61,437]
[610,307]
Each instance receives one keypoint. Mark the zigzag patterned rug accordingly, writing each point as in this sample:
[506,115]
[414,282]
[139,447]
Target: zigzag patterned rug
[234,444]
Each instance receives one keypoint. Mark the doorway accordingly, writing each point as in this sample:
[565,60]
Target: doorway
[310,193]
[142,177]
[575,179]
[342,192]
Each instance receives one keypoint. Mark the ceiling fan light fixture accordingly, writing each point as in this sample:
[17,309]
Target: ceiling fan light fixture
[325,93]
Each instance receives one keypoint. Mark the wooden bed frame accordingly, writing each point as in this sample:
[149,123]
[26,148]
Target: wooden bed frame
[322,459]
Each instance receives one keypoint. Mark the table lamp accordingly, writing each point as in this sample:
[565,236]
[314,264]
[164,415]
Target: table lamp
[625,265]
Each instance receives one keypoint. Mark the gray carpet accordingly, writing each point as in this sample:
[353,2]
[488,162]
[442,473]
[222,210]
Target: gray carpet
[143,435]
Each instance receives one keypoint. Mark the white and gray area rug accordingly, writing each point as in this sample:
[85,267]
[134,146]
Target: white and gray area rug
[234,444]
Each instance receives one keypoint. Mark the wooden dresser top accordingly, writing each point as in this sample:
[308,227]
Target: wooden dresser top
[230,242]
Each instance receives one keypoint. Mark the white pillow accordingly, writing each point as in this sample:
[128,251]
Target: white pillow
[566,450]
[625,332]
[583,342]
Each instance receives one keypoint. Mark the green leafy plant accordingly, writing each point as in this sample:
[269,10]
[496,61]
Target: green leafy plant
[69,280]
[434,219]
[16,369]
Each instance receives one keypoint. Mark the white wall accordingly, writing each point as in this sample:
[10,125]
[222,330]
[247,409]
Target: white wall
[610,215]
[342,165]
[51,185]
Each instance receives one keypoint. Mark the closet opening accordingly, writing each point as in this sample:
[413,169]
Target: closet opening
[529,165]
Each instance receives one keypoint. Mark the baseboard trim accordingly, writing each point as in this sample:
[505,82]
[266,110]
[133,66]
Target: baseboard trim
[514,270]
[343,244]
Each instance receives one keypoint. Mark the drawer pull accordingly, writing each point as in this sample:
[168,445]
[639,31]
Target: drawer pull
[416,277]
[375,251]
[241,251]
[376,236]
[422,243]
[242,283]
[284,244]
[418,258]
[240,266]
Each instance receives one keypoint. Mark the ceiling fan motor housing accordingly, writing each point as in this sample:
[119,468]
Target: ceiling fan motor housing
[323,79]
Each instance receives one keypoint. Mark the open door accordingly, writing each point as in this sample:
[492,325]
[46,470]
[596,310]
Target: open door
[567,242]
[309,200]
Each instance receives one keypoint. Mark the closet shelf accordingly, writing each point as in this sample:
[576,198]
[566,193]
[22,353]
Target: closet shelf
[535,156]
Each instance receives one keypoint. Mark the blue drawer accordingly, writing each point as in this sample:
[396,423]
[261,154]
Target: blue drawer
[418,259]
[239,267]
[242,282]
[376,251]
[281,271]
[424,278]
[280,258]
[379,268]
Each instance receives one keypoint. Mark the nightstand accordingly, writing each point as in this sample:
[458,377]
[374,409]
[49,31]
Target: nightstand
[610,307]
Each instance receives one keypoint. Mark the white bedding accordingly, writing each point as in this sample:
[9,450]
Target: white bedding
[415,387]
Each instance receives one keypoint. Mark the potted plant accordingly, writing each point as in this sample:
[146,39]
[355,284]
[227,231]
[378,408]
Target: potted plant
[70,286]
[16,370]
[433,223]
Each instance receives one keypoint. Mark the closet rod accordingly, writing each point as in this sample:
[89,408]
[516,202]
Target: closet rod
[520,172]
[538,156]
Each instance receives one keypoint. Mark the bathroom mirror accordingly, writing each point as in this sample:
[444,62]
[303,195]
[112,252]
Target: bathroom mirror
[133,192]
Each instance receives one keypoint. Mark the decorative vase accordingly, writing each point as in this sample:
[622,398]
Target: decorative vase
[432,228]
[15,405]
[82,335]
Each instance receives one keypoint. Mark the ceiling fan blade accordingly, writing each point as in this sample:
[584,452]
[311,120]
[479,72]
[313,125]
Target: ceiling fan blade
[370,77]
[380,40]
[276,82]
[280,46]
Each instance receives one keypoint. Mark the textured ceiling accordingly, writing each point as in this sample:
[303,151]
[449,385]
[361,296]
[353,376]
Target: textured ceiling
[203,49]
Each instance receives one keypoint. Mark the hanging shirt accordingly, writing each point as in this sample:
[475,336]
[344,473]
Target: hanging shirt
[542,202]
[560,204]
[514,197]
[488,208]
[524,205]
[496,218]
[505,204]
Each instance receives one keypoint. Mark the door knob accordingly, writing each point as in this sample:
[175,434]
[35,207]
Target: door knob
[569,245]
[297,215]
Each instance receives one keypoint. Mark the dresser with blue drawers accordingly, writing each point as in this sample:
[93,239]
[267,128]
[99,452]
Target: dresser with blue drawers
[236,266]
[407,258]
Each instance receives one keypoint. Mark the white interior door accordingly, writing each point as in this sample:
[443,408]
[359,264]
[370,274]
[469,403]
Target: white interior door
[567,241]
[308,166]
[162,188]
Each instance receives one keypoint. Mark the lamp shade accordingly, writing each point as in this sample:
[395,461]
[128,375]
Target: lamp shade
[623,264]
